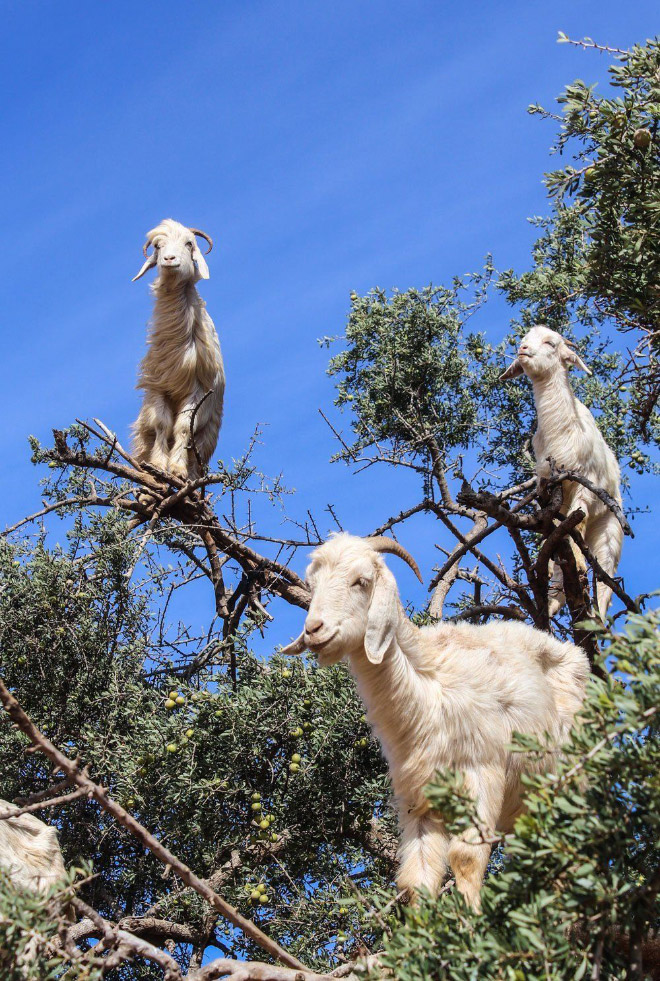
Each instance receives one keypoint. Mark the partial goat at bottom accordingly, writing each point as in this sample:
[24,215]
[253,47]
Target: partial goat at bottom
[29,851]
[446,696]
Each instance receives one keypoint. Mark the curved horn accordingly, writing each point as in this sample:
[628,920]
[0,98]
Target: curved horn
[381,543]
[145,248]
[201,234]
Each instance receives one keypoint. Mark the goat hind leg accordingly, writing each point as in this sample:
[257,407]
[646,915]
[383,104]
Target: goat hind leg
[469,853]
[605,539]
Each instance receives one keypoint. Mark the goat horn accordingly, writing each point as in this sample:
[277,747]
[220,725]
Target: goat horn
[145,248]
[381,543]
[208,238]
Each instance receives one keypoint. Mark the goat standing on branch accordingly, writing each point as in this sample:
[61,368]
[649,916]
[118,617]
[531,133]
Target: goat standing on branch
[450,695]
[182,373]
[567,435]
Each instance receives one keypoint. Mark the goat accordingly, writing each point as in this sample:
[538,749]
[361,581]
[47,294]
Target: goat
[29,851]
[183,361]
[449,695]
[568,435]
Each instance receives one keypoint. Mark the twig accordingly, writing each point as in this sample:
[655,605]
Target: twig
[193,416]
[40,806]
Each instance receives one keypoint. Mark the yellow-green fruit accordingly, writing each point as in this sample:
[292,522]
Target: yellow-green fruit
[172,747]
[180,700]
[271,818]
[264,898]
[297,732]
[256,806]
[274,837]
[265,824]
[642,139]
[619,121]
[173,694]
[343,911]
[218,715]
[190,733]
[256,796]
[255,896]
[296,758]
[286,673]
[130,802]
[294,767]
[307,725]
[478,350]
[307,702]
[589,173]
[170,703]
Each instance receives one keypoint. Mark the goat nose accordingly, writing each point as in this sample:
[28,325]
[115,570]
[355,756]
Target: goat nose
[313,625]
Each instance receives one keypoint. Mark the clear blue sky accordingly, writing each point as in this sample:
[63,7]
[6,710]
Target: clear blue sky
[326,147]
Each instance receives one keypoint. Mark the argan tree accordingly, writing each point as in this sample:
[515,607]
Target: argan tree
[225,815]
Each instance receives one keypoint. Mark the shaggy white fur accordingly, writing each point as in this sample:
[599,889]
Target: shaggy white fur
[29,851]
[183,360]
[567,433]
[450,695]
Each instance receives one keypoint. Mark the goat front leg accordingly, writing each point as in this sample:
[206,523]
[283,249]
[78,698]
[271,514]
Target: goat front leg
[422,852]
[469,853]
[152,431]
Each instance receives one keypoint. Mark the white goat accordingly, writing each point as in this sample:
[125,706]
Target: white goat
[29,851]
[567,433]
[450,695]
[183,360]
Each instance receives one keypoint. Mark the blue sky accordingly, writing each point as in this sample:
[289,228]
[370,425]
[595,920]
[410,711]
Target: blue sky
[325,147]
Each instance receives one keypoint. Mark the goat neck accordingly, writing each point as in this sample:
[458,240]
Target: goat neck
[395,692]
[558,417]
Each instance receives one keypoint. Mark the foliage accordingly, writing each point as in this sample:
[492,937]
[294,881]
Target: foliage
[597,263]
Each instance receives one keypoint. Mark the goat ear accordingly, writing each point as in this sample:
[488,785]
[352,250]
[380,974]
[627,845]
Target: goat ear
[382,619]
[201,263]
[296,646]
[571,357]
[514,369]
[151,261]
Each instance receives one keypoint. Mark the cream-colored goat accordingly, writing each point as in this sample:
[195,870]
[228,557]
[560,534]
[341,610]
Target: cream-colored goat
[183,361]
[567,434]
[450,695]
[29,851]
